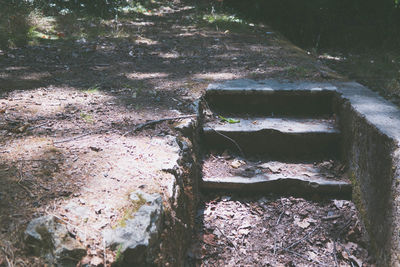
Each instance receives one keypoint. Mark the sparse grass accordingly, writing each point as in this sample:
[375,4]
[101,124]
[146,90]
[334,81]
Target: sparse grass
[298,72]
[53,149]
[393,87]
[87,117]
[226,22]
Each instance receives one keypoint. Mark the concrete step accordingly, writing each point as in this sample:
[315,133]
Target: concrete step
[241,175]
[270,98]
[279,138]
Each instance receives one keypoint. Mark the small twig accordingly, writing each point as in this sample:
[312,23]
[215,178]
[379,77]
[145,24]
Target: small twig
[227,238]
[332,217]
[348,253]
[13,121]
[8,253]
[104,252]
[75,138]
[233,141]
[143,125]
[37,126]
[305,258]
[10,264]
[280,215]
[227,137]
[72,225]
[342,229]
[334,254]
[302,239]
[23,186]
[279,218]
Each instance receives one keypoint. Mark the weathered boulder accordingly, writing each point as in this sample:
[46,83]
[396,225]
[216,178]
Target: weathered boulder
[136,239]
[50,239]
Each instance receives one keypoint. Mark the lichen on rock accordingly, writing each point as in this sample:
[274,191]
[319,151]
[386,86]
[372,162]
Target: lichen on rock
[136,241]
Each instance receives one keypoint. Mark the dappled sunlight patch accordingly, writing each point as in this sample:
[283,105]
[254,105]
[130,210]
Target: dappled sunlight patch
[150,75]
[35,76]
[329,57]
[146,41]
[258,48]
[141,23]
[217,76]
[16,68]
[169,55]
[48,101]
[28,148]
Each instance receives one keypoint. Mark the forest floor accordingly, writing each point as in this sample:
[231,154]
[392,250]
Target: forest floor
[67,108]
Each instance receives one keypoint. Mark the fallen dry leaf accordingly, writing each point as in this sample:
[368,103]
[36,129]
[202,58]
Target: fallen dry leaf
[237,163]
[301,223]
[244,231]
[209,239]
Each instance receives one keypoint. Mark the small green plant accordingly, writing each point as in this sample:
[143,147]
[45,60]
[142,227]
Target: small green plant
[228,120]
[119,256]
[137,8]
[222,18]
[93,90]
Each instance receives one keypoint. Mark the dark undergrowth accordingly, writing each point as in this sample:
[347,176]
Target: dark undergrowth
[349,24]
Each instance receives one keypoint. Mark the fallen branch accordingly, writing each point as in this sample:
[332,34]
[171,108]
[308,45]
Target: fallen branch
[148,123]
[37,126]
[27,190]
[75,138]
[227,238]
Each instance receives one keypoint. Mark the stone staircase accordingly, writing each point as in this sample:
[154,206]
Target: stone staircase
[273,138]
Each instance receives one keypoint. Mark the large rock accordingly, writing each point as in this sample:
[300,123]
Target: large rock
[136,240]
[50,239]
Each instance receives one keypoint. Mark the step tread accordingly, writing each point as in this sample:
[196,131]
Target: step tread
[283,125]
[221,173]
[246,85]
[273,178]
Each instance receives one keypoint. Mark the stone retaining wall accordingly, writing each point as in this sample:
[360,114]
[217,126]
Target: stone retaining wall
[181,208]
[371,129]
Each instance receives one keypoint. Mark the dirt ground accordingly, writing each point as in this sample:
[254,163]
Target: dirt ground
[278,231]
[68,107]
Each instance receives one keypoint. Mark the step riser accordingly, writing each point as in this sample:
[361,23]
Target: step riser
[277,103]
[277,145]
[289,186]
